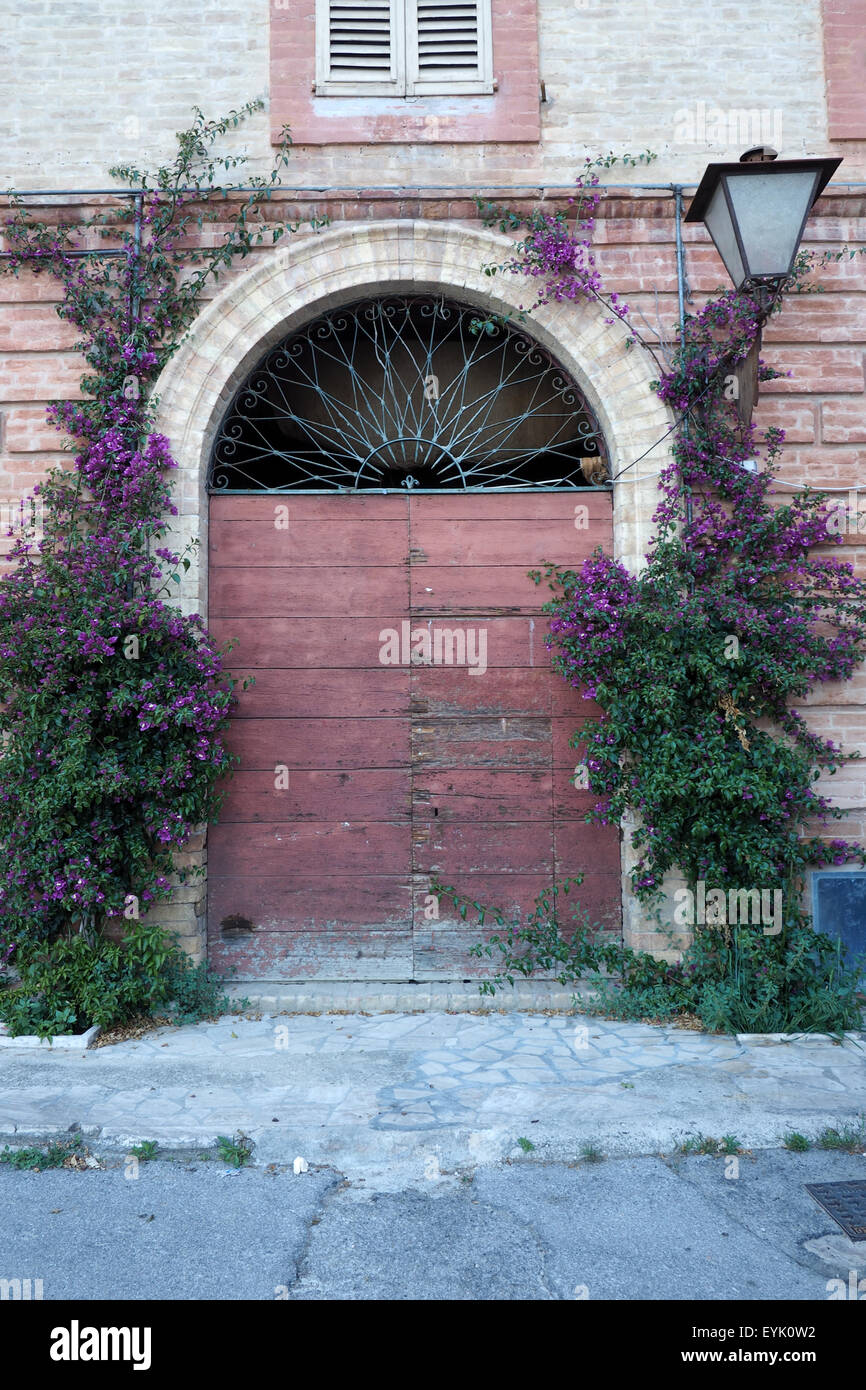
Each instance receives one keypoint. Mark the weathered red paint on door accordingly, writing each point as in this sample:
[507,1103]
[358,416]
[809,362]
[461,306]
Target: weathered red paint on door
[395,771]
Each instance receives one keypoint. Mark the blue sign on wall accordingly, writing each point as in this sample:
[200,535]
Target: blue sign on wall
[839,909]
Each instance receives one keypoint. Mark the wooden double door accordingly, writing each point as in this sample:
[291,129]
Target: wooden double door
[404,722]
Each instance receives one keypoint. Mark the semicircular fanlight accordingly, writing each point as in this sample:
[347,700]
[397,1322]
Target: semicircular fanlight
[406,391]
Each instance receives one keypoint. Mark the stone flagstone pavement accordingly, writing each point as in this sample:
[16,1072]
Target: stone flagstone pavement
[397,1099]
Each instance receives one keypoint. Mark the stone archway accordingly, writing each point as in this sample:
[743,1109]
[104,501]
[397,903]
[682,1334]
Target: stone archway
[293,284]
[299,280]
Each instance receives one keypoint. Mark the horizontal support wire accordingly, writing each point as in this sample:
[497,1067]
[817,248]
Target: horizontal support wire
[363,191]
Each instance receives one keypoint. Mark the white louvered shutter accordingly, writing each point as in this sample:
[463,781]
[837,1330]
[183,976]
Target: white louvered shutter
[403,47]
[360,46]
[448,45]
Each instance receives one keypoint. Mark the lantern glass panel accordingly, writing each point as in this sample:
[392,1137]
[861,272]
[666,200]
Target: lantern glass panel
[721,229]
[769,209]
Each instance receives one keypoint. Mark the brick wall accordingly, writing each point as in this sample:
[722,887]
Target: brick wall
[845,64]
[691,81]
[821,338]
[680,77]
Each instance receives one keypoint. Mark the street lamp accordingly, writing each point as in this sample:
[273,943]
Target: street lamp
[756,210]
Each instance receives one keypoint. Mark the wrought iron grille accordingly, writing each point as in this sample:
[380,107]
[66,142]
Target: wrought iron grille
[407,391]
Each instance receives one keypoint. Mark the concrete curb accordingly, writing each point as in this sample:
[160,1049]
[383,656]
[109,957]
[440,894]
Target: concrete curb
[767,1039]
[69,1041]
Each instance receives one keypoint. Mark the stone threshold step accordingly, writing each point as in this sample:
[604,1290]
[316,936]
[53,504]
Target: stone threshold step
[400,996]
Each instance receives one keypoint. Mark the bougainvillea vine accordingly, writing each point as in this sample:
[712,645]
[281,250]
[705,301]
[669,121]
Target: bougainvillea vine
[113,702]
[698,661]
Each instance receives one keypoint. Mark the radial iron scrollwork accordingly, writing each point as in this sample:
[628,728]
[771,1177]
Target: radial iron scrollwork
[406,391]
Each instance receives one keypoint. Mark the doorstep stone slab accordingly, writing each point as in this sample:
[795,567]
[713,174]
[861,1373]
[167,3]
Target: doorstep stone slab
[73,1041]
[404,997]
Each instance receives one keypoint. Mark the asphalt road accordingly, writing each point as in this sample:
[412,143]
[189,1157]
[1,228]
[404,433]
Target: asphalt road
[674,1228]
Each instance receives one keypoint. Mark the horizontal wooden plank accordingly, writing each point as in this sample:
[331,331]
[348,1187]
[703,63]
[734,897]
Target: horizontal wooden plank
[367,794]
[332,507]
[514,895]
[316,955]
[498,847]
[298,592]
[485,590]
[445,953]
[356,643]
[481,794]
[319,743]
[508,506]
[471,742]
[292,693]
[564,540]
[312,901]
[458,691]
[376,692]
[363,591]
[317,542]
[289,847]
[484,507]
[440,691]
[522,741]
